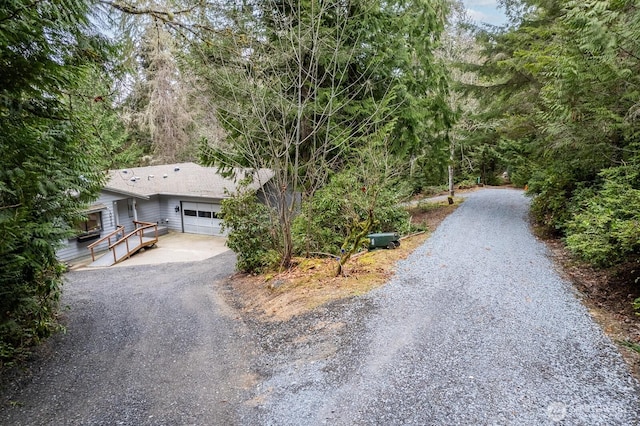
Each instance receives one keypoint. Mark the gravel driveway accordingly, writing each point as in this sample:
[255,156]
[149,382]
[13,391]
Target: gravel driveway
[148,344]
[476,328]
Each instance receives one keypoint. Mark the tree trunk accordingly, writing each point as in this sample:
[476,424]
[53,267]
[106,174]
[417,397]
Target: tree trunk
[286,214]
[452,152]
[287,252]
[353,242]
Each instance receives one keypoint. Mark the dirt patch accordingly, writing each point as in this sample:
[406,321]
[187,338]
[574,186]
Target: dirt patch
[432,215]
[609,296]
[436,192]
[312,282]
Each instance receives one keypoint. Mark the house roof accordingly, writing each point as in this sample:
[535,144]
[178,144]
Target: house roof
[183,179]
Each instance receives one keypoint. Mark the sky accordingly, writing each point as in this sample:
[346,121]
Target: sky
[485,11]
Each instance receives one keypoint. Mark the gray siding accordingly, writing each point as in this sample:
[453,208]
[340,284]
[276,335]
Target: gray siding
[149,210]
[168,214]
[269,195]
[123,215]
[158,209]
[74,249]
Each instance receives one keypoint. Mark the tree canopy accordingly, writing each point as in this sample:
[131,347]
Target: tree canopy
[560,92]
[299,85]
[51,144]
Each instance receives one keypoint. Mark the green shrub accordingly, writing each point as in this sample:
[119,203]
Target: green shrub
[520,177]
[29,305]
[319,226]
[251,235]
[325,219]
[428,191]
[605,228]
[551,202]
[428,206]
[467,183]
[636,305]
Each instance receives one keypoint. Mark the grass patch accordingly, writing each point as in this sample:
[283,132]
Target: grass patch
[430,206]
[631,345]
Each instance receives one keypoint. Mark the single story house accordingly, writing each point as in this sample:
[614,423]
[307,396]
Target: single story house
[181,197]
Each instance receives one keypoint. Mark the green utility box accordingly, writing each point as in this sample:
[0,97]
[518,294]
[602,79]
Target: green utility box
[389,240]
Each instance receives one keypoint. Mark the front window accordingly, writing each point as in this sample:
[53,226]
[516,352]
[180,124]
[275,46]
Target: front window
[90,227]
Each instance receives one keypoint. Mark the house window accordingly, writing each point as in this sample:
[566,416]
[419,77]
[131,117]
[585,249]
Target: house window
[93,222]
[91,227]
[130,206]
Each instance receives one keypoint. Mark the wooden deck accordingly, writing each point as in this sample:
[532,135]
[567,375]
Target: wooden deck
[127,245]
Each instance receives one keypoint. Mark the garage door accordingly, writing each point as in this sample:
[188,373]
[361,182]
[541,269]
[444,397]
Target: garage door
[200,218]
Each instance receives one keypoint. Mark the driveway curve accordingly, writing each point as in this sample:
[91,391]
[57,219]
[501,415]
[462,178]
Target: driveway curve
[151,344]
[476,328]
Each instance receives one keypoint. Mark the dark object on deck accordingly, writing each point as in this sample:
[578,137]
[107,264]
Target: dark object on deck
[390,240]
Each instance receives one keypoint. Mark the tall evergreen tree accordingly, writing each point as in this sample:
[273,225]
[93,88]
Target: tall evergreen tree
[564,91]
[48,168]
[300,84]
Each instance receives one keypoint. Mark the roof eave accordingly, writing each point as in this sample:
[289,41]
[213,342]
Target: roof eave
[212,197]
[127,193]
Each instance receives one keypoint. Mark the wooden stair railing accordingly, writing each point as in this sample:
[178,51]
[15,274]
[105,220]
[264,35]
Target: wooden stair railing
[139,231]
[113,234]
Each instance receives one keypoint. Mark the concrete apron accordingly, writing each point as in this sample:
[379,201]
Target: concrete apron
[171,248]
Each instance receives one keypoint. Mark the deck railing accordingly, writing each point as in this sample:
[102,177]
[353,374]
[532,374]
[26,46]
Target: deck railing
[108,237]
[138,232]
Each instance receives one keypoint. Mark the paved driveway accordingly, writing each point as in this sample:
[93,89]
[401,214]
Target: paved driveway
[150,344]
[172,247]
[476,328]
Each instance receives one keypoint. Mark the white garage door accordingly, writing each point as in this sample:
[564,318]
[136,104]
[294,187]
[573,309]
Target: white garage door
[200,218]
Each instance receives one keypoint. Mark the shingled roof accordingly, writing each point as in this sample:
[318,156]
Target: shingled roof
[183,179]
